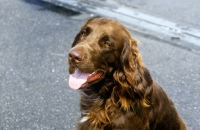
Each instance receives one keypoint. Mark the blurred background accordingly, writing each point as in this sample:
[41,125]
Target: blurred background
[36,35]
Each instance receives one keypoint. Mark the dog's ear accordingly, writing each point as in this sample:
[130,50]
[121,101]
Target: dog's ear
[130,61]
[130,55]
[132,76]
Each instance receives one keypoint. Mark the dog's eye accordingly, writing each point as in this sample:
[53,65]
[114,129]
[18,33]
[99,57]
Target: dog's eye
[84,32]
[107,43]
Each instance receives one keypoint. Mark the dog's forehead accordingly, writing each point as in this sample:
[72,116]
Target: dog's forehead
[102,21]
[104,24]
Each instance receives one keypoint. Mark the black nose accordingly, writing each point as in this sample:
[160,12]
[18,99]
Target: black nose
[76,55]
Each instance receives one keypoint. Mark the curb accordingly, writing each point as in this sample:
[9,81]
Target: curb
[144,24]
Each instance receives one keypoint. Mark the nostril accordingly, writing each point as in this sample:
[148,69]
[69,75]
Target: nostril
[78,59]
[76,56]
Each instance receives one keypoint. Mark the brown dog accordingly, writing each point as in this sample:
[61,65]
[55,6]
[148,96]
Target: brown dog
[117,91]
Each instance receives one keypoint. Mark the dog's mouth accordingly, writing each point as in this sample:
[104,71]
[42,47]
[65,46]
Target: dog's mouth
[81,79]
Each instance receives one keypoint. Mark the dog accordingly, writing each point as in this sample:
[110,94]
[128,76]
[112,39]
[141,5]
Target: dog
[117,91]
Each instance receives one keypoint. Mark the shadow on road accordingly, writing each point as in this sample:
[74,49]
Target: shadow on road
[51,7]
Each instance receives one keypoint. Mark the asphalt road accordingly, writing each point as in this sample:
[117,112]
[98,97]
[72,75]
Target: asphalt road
[183,12]
[34,93]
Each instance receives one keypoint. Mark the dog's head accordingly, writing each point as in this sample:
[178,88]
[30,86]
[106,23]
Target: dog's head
[103,49]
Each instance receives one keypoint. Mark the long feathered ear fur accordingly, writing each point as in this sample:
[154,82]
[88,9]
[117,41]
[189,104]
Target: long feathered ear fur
[133,79]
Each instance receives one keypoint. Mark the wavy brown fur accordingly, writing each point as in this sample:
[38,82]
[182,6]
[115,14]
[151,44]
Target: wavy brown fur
[125,97]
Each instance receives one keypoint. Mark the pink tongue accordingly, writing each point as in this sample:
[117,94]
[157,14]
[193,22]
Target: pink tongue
[77,79]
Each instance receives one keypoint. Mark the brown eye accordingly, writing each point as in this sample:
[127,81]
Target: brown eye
[84,32]
[107,43]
